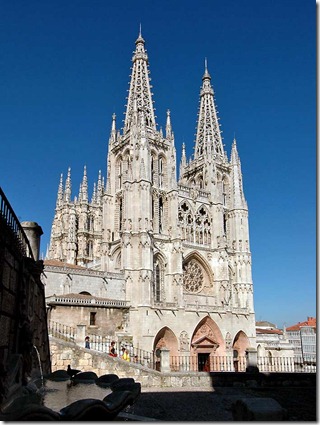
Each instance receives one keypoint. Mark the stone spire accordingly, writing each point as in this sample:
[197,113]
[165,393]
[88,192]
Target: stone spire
[183,162]
[113,134]
[60,192]
[140,88]
[83,195]
[99,188]
[238,200]
[208,137]
[67,192]
[168,126]
[94,194]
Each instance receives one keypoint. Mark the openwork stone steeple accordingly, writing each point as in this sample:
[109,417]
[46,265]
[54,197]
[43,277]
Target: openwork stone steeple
[140,97]
[208,138]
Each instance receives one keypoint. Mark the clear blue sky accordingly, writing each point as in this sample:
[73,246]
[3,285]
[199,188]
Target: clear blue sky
[65,69]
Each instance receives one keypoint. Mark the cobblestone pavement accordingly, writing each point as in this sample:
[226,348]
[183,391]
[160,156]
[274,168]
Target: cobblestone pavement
[216,405]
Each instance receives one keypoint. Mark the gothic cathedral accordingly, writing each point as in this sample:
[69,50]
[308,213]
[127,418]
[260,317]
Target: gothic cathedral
[176,252]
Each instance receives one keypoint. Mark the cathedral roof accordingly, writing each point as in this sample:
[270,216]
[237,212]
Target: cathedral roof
[62,264]
[81,297]
[269,331]
[264,323]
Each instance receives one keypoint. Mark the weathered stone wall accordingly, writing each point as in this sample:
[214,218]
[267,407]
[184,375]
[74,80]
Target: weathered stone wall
[23,320]
[61,279]
[108,321]
[65,353]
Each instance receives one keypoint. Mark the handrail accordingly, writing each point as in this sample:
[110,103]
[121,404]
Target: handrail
[13,223]
[55,299]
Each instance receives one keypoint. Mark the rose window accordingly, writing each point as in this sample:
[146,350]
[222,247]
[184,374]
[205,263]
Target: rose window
[193,277]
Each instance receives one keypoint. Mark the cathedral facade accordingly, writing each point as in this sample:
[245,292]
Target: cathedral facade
[177,248]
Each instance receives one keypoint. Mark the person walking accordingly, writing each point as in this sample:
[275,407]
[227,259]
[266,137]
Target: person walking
[125,354]
[87,342]
[112,351]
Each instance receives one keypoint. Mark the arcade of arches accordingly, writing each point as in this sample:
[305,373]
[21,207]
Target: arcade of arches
[206,342]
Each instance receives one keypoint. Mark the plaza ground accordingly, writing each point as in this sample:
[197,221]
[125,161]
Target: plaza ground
[216,405]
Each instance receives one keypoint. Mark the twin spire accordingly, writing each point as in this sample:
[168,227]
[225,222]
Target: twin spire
[140,106]
[140,101]
[208,137]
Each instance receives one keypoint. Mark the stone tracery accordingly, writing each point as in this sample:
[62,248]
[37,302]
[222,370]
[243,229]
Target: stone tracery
[193,277]
[195,227]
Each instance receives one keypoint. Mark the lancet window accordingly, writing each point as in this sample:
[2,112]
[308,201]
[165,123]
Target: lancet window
[90,249]
[90,223]
[161,172]
[160,215]
[119,214]
[119,173]
[158,272]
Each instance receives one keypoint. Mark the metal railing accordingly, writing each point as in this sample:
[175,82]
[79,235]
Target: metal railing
[194,363]
[58,330]
[211,364]
[186,363]
[136,355]
[12,222]
[286,364]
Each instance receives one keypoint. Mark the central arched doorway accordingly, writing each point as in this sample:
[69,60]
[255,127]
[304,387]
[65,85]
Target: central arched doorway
[207,345]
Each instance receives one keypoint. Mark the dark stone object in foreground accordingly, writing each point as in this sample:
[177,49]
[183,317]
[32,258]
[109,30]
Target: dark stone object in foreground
[85,377]
[258,409]
[58,375]
[29,412]
[29,406]
[121,382]
[98,410]
[105,381]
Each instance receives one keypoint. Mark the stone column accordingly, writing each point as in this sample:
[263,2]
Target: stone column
[165,360]
[33,232]
[81,334]
[251,354]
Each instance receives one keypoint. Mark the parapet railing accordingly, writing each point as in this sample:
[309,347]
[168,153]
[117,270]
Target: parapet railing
[193,363]
[12,222]
[58,330]
[103,344]
[136,355]
[267,364]
[55,299]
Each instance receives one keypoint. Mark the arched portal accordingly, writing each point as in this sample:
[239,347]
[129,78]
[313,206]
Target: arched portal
[165,338]
[241,343]
[207,344]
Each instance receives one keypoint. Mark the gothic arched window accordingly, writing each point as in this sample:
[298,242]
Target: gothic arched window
[120,214]
[119,172]
[90,249]
[158,273]
[157,283]
[160,215]
[161,172]
[152,169]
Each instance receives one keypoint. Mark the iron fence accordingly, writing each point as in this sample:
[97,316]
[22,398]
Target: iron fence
[195,363]
[136,355]
[185,363]
[58,330]
[9,218]
[287,364]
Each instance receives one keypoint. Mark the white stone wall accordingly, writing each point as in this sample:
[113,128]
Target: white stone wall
[60,282]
